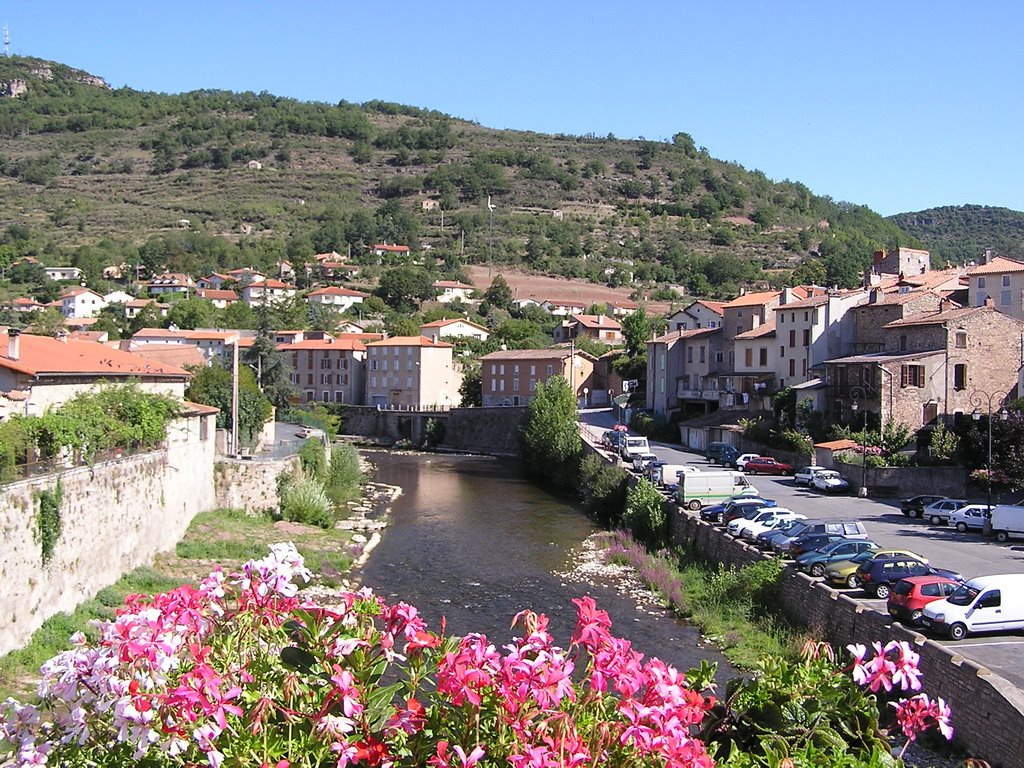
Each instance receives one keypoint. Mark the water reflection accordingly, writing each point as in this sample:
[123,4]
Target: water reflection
[473,541]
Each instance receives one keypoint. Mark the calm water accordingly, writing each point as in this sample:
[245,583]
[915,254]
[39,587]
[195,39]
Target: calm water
[473,541]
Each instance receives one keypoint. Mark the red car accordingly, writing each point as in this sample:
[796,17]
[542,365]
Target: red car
[766,465]
[912,594]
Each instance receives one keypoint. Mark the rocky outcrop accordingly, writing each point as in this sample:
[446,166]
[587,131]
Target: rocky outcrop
[13,88]
[99,82]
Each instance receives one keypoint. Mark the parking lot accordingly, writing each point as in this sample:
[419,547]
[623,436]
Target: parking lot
[969,554]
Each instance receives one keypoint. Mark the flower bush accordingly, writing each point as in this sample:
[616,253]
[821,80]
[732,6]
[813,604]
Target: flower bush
[242,670]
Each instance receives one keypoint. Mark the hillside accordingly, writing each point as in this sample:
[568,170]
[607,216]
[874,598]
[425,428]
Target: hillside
[209,179]
[962,233]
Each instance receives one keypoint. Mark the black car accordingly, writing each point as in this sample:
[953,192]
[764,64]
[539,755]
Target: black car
[802,544]
[714,513]
[914,506]
[879,575]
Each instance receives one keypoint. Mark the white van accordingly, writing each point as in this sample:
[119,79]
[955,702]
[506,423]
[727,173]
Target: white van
[1007,521]
[984,604]
[699,488]
[668,474]
[632,446]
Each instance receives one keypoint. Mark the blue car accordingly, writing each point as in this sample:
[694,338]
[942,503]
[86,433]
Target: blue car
[716,513]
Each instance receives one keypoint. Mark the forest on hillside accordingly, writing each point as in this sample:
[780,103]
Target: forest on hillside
[961,234]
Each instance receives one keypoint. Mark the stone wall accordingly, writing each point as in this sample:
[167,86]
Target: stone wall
[251,484]
[478,430]
[907,481]
[988,711]
[115,516]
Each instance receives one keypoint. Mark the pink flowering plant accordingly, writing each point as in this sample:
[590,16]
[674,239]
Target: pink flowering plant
[242,670]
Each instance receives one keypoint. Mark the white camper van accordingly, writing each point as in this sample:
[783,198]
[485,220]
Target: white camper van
[984,604]
[632,446]
[1007,521]
[668,474]
[699,488]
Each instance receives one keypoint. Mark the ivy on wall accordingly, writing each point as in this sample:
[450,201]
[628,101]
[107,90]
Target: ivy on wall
[48,520]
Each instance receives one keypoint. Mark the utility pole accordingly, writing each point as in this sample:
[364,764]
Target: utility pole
[234,399]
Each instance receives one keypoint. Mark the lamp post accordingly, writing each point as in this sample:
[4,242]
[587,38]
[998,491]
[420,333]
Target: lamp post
[857,393]
[979,399]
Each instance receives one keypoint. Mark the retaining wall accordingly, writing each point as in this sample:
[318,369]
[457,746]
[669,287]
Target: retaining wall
[115,516]
[251,485]
[908,481]
[478,430]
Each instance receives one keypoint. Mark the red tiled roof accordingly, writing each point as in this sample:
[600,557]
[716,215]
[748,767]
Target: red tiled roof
[23,301]
[838,445]
[272,284]
[409,341]
[348,344]
[935,318]
[78,292]
[42,355]
[451,284]
[165,333]
[179,356]
[443,323]
[386,247]
[765,329]
[197,409]
[597,321]
[714,306]
[998,265]
[214,294]
[323,256]
[752,299]
[337,291]
[363,337]
[336,265]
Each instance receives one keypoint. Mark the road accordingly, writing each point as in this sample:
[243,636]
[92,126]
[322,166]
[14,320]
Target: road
[969,554]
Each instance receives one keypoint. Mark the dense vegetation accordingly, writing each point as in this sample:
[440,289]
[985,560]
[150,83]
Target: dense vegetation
[962,233]
[97,176]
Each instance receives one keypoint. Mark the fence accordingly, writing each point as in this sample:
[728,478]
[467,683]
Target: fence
[37,467]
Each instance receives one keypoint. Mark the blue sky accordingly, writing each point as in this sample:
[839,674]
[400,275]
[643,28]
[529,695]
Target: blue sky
[897,105]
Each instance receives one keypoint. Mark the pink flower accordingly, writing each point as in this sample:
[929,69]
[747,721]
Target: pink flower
[443,760]
[345,688]
[592,624]
[906,674]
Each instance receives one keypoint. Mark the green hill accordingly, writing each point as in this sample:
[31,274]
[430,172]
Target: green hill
[209,179]
[962,233]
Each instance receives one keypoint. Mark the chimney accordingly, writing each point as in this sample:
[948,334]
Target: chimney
[945,304]
[988,255]
[62,336]
[14,344]
[875,296]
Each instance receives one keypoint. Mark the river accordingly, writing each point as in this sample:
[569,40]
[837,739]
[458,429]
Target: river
[471,540]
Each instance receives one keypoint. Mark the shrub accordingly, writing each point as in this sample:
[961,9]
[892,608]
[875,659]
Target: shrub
[602,488]
[343,475]
[645,514]
[433,432]
[313,458]
[306,501]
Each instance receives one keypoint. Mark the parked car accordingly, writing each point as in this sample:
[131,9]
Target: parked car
[715,450]
[829,481]
[738,509]
[805,475]
[632,446]
[817,561]
[970,516]
[727,457]
[765,539]
[740,524]
[742,459]
[878,575]
[766,465]
[714,513]
[914,506]
[843,573]
[851,529]
[612,439]
[811,542]
[938,512]
[984,604]
[755,528]
[642,460]
[909,596]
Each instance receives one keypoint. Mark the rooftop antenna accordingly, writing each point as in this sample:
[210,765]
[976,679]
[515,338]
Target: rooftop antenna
[7,42]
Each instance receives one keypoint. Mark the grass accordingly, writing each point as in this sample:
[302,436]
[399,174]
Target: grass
[225,537]
[732,608]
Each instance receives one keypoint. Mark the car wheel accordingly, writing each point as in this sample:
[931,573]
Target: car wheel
[818,569]
[935,519]
[1002,537]
[915,616]
[957,632]
[852,581]
[693,504]
[919,513]
[750,471]
[962,527]
[882,591]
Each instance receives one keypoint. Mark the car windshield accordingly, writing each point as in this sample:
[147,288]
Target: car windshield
[831,475]
[795,529]
[964,595]
[863,557]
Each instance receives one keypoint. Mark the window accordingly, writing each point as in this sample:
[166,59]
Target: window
[494,369]
[806,317]
[1004,298]
[533,370]
[1006,281]
[339,397]
[325,378]
[373,365]
[803,367]
[533,385]
[930,590]
[748,357]
[325,364]
[782,352]
[961,340]
[719,357]
[309,395]
[384,365]
[515,371]
[762,356]
[689,354]
[501,369]
[912,376]
[739,329]
[807,337]
[702,354]
[408,382]
[295,359]
[515,385]
[494,385]
[325,396]
[903,342]
[981,282]
[309,379]
[551,370]
[991,599]
[204,428]
[792,367]
[373,382]
[960,376]
[792,338]
[501,385]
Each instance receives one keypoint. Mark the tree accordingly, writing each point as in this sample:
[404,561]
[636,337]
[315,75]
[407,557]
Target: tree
[636,328]
[272,370]
[810,272]
[48,322]
[471,388]
[551,435]
[148,317]
[499,294]
[238,315]
[402,288]
[212,386]
[192,313]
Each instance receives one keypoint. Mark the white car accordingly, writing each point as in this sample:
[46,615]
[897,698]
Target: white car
[740,524]
[971,516]
[829,481]
[751,531]
[805,475]
[743,458]
[642,460]
[938,512]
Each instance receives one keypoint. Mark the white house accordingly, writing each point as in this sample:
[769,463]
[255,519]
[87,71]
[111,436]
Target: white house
[452,290]
[81,302]
[220,299]
[562,307]
[171,282]
[135,306]
[700,314]
[457,327]
[213,280]
[246,275]
[210,343]
[63,273]
[383,249]
[335,296]
[118,297]
[269,291]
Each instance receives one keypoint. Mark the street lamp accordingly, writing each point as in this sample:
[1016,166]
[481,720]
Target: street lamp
[979,399]
[857,393]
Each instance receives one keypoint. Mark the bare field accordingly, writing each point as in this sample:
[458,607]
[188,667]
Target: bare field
[526,285]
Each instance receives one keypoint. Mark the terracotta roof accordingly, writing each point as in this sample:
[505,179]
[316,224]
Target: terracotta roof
[79,322]
[443,323]
[596,321]
[547,353]
[166,333]
[337,291]
[209,277]
[180,356]
[452,284]
[78,292]
[245,271]
[363,337]
[997,266]
[714,306]
[336,265]
[763,330]
[386,247]
[271,283]
[42,355]
[936,278]
[901,298]
[197,409]
[409,341]
[23,301]
[752,299]
[172,278]
[813,301]
[564,303]
[348,344]
[323,256]
[937,318]
[838,445]
[94,336]
[690,334]
[213,294]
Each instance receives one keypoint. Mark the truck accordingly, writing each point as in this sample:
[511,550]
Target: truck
[633,445]
[1007,521]
[984,604]
[697,489]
